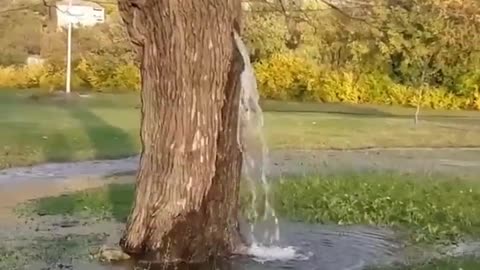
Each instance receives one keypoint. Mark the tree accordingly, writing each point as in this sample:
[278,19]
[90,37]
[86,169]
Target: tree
[266,34]
[21,34]
[430,40]
[188,182]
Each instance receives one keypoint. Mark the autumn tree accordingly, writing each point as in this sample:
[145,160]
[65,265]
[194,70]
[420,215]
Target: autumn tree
[21,35]
[188,182]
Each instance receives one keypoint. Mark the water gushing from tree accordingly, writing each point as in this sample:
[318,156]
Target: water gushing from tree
[254,147]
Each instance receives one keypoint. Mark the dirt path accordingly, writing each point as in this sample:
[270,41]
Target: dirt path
[458,162]
[448,161]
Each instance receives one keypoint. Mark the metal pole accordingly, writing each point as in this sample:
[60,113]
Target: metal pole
[69,49]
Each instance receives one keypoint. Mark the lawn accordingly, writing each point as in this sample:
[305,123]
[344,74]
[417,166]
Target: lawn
[424,210]
[104,126]
[462,263]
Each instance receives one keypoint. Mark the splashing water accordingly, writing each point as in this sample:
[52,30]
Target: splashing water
[264,254]
[255,163]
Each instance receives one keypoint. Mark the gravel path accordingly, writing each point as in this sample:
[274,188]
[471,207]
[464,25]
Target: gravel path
[458,162]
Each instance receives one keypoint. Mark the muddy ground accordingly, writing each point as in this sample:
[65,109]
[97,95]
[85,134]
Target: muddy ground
[43,242]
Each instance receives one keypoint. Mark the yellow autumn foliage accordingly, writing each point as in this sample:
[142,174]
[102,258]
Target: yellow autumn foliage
[285,76]
[288,76]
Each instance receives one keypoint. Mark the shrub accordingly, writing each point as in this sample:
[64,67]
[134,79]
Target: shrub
[469,83]
[34,76]
[30,76]
[338,87]
[86,75]
[104,74]
[474,100]
[290,77]
[126,77]
[285,76]
[52,78]
[8,77]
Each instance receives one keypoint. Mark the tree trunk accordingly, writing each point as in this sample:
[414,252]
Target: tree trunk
[417,111]
[420,90]
[188,183]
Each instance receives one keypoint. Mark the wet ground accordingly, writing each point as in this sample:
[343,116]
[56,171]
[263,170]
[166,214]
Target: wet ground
[47,242]
[68,244]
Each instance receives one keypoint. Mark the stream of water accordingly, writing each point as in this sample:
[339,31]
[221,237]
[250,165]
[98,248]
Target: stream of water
[251,140]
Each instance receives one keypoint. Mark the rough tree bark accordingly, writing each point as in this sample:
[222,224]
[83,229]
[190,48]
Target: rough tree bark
[188,183]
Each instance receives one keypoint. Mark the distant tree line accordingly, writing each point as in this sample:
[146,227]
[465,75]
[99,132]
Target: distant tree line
[411,44]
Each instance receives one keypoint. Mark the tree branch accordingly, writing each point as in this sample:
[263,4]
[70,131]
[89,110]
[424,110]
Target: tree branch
[345,14]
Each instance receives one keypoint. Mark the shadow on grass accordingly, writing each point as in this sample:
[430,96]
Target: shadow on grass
[51,150]
[107,141]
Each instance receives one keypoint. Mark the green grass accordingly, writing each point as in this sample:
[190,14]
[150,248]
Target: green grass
[110,202]
[363,109]
[430,210]
[463,263]
[38,131]
[107,126]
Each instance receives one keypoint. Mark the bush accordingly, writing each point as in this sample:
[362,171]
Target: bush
[85,75]
[8,77]
[104,74]
[290,77]
[126,77]
[469,83]
[285,77]
[338,87]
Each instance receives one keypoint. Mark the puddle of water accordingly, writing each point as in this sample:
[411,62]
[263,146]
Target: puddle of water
[302,247]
